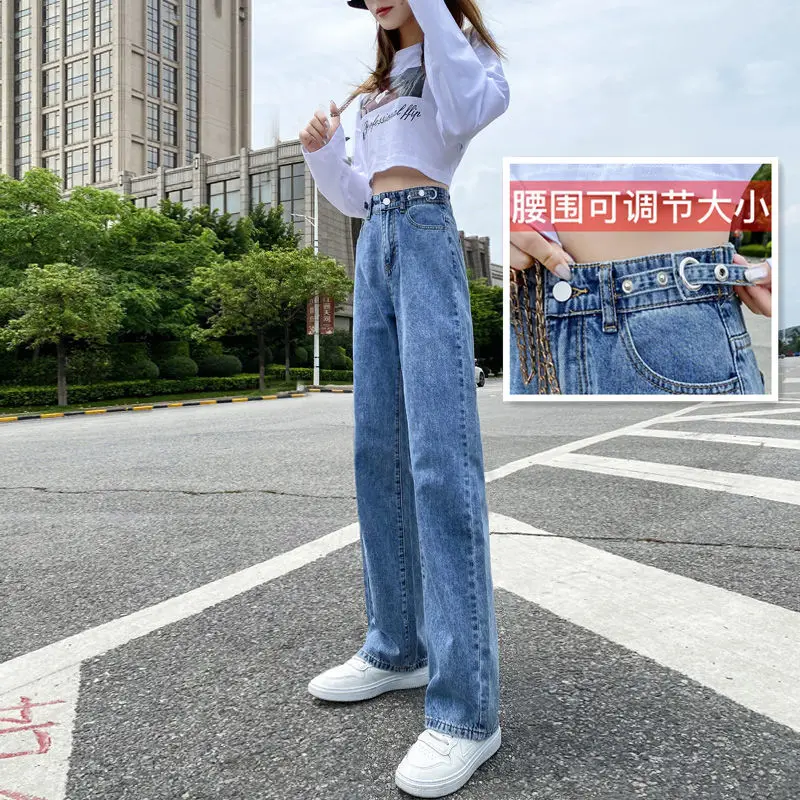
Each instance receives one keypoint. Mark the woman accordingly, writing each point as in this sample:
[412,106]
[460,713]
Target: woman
[646,311]
[417,452]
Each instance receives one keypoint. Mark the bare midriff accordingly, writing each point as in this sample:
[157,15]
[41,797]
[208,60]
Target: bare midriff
[395,178]
[599,246]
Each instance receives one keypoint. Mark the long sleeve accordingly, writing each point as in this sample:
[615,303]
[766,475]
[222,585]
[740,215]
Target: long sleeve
[466,77]
[344,185]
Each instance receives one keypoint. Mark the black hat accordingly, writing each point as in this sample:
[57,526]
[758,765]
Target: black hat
[357,4]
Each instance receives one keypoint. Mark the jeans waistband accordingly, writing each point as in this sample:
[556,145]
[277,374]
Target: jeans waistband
[402,198]
[651,281]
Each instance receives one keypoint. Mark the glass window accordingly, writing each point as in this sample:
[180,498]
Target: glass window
[77,28]
[51,88]
[261,189]
[53,163]
[153,122]
[77,82]
[170,84]
[77,124]
[102,162]
[51,130]
[170,126]
[77,167]
[153,24]
[225,196]
[102,22]
[153,77]
[102,72]
[169,158]
[291,192]
[102,116]
[153,154]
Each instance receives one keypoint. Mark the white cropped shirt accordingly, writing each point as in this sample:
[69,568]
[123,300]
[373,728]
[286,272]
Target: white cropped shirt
[425,120]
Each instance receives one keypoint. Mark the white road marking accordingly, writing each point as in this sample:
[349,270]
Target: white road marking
[741,648]
[36,723]
[778,490]
[737,418]
[727,438]
[55,666]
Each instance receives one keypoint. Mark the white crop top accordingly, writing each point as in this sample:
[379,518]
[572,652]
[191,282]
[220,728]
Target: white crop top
[424,120]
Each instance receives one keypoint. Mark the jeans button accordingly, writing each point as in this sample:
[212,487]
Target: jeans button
[721,271]
[562,291]
[386,201]
[421,193]
[627,285]
[662,278]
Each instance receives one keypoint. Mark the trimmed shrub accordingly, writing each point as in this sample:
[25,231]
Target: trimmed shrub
[301,356]
[178,368]
[219,366]
[164,351]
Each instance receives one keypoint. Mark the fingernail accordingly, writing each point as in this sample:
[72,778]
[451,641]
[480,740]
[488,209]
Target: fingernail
[754,273]
[563,271]
[327,124]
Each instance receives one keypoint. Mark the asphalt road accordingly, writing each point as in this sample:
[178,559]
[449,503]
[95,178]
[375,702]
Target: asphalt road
[645,557]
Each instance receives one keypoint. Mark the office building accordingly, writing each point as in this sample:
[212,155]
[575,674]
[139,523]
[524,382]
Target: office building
[91,89]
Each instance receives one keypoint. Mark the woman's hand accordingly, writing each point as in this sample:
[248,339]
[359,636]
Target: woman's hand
[319,130]
[757,298]
[527,245]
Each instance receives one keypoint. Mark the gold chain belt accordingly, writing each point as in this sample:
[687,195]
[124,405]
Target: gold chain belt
[543,366]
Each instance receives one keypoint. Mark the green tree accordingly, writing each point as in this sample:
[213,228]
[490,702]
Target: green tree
[263,288]
[62,304]
[487,322]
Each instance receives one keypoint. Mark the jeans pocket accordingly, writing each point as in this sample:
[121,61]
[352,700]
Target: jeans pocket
[427,216]
[682,348]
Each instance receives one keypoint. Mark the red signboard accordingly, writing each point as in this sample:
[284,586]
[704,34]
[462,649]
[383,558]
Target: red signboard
[326,315]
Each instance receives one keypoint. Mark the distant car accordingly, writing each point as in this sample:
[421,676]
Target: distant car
[480,376]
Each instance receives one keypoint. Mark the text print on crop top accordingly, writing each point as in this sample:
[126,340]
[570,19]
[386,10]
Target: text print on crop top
[422,119]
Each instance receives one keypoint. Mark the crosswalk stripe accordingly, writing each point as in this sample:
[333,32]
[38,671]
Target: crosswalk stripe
[728,438]
[751,420]
[742,648]
[38,723]
[778,490]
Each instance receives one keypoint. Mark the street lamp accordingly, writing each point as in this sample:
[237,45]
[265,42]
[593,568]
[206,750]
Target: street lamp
[315,225]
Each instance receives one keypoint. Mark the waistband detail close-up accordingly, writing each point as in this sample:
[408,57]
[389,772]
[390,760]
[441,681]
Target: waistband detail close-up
[649,281]
[402,198]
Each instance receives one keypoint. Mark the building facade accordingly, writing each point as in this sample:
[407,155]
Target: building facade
[91,89]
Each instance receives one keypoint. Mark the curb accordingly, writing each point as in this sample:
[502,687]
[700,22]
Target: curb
[178,404]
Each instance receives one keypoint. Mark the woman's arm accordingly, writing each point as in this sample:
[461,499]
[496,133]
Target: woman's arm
[466,77]
[343,184]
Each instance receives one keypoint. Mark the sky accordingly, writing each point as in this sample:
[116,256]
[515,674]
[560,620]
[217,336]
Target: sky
[711,78]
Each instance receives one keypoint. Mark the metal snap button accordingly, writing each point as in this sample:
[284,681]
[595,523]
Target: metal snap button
[682,266]
[627,285]
[562,291]
[721,271]
[421,193]
[662,278]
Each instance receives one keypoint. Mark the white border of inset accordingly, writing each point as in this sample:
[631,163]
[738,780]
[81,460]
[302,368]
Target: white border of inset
[772,396]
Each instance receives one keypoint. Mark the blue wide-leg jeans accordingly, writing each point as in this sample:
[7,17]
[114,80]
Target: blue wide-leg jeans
[418,460]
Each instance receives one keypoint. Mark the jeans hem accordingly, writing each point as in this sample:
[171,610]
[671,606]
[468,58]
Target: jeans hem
[476,733]
[381,664]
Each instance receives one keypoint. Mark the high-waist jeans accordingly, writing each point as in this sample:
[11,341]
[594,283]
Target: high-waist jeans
[418,457]
[667,323]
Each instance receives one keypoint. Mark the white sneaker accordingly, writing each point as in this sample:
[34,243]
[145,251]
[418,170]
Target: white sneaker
[438,764]
[358,680]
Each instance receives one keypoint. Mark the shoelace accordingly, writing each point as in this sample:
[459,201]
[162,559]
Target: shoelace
[437,736]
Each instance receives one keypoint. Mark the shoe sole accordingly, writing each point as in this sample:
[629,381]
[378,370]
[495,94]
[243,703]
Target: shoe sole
[403,680]
[443,786]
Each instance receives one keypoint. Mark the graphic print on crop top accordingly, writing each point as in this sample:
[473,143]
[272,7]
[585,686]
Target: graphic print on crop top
[408,83]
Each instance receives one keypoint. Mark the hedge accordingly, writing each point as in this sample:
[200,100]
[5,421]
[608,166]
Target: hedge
[20,396]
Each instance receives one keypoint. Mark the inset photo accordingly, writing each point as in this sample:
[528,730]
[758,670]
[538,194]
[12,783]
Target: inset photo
[627,277]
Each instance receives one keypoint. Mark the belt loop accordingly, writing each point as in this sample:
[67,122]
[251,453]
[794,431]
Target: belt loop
[608,302]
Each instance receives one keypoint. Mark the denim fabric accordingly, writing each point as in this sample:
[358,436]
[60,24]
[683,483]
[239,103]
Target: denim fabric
[636,326]
[418,457]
